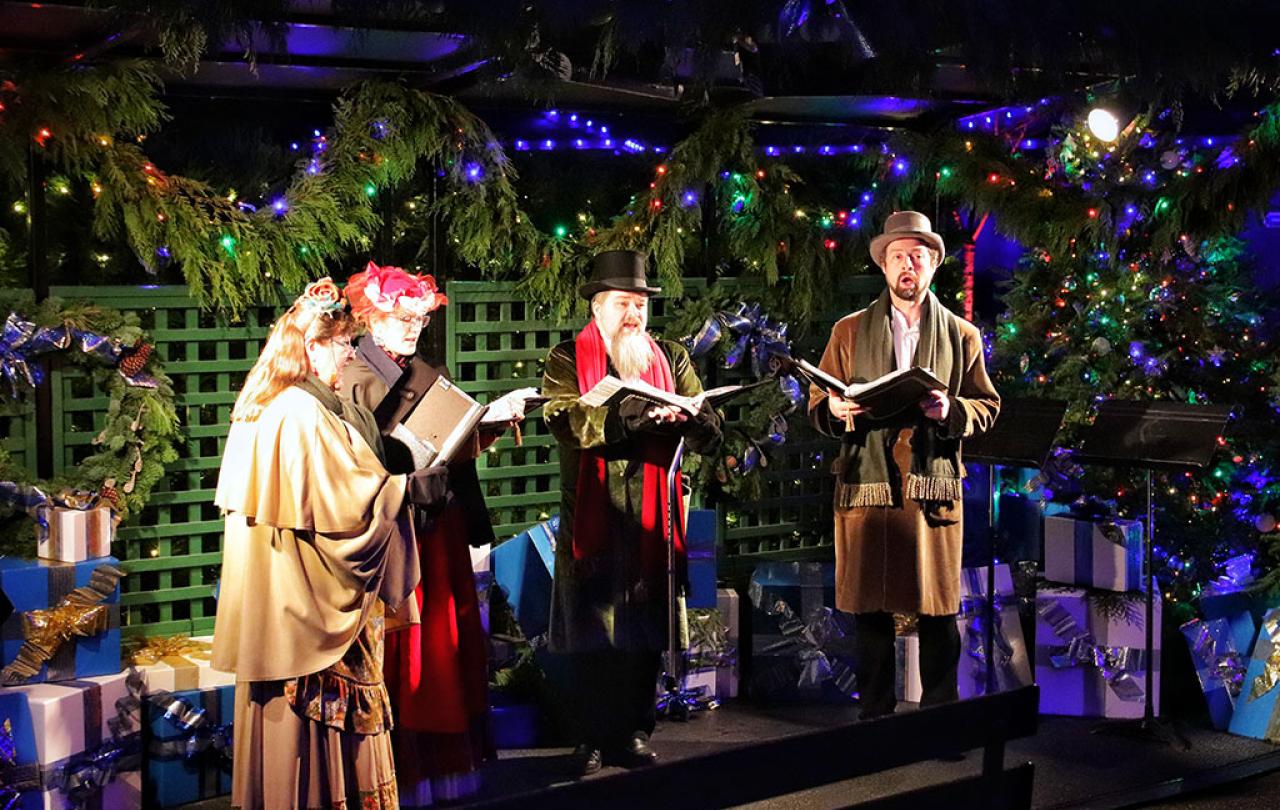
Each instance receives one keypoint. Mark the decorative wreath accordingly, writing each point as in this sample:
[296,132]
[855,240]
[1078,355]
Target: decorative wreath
[141,428]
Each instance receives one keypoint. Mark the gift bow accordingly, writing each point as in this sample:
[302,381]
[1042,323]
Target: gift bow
[809,640]
[1115,663]
[973,609]
[44,631]
[1270,676]
[21,341]
[709,644]
[202,736]
[1218,657]
[172,650]
[754,335]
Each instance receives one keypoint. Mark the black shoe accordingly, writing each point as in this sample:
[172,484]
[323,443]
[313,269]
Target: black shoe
[636,753]
[587,760]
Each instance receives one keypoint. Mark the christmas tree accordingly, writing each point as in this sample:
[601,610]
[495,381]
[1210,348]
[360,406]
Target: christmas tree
[1130,311]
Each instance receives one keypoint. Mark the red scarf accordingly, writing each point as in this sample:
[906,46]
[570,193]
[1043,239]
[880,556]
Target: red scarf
[591,529]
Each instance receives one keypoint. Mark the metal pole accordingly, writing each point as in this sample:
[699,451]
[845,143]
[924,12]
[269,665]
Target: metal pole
[1148,710]
[989,608]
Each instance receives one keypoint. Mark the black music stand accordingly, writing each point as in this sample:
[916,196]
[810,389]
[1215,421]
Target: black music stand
[677,701]
[1166,436]
[1022,436]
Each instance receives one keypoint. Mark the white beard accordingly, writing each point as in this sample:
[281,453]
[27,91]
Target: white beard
[630,354]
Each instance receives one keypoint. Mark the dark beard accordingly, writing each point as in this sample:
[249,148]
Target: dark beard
[906,293]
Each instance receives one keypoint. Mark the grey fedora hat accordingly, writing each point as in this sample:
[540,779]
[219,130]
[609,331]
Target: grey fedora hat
[905,225]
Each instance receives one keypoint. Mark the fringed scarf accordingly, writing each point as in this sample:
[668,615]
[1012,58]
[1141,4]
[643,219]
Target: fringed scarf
[592,533]
[869,477]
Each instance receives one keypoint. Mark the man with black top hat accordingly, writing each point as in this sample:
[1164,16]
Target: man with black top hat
[609,607]
[899,495]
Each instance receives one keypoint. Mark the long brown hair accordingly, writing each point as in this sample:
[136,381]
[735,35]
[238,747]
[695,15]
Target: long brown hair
[283,361]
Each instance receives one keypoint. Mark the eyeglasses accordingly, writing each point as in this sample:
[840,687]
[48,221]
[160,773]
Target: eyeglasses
[413,321]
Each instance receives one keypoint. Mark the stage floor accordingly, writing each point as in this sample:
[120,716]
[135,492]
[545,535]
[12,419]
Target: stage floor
[1074,767]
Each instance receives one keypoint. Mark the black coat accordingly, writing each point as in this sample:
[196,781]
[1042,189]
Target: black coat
[374,380]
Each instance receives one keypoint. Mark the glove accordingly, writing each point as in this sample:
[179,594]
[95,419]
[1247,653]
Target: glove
[429,486]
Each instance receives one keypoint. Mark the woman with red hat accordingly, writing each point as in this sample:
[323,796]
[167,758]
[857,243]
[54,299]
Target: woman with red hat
[437,671]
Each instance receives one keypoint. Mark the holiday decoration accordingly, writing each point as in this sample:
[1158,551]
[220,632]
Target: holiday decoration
[802,648]
[1090,657]
[523,567]
[1097,553]
[140,429]
[63,625]
[1218,651]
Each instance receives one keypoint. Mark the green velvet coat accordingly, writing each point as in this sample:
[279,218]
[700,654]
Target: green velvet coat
[609,604]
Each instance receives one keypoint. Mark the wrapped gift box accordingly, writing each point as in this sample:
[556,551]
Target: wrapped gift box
[21,771]
[1094,553]
[801,646]
[1013,664]
[1257,712]
[71,608]
[711,662]
[700,542]
[514,723]
[1090,656]
[73,535]
[1219,652]
[189,757]
[482,569]
[524,567]
[730,607]
[176,663]
[86,738]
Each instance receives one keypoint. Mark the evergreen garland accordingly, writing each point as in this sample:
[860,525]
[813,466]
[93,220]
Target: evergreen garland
[140,433]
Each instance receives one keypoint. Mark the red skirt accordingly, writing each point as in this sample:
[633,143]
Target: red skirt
[437,672]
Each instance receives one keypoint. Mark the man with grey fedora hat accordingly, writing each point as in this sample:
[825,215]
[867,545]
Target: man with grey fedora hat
[899,496]
[609,599]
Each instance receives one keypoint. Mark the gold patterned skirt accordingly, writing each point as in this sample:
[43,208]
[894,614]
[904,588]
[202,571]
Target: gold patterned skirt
[319,742]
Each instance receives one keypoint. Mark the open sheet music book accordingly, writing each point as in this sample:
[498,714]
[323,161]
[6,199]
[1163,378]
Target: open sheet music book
[611,391]
[882,397]
[444,419]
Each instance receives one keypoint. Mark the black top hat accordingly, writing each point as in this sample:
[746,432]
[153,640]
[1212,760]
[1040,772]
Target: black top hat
[618,270]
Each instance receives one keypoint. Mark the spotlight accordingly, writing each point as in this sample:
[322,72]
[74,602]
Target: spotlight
[1103,124]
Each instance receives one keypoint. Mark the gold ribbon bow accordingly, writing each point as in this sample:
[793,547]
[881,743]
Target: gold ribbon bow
[172,650]
[44,631]
[1270,676]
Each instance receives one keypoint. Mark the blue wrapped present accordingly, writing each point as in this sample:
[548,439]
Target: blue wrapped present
[1217,650]
[1105,553]
[19,771]
[700,543]
[189,757]
[801,646]
[524,568]
[65,622]
[1257,712]
[1225,596]
[515,724]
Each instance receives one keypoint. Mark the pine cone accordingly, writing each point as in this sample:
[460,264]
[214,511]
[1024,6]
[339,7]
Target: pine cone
[135,359]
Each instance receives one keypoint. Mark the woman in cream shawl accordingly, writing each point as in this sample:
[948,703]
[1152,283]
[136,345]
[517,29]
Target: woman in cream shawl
[315,549]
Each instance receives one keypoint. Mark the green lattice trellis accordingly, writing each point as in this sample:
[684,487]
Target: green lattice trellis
[495,343]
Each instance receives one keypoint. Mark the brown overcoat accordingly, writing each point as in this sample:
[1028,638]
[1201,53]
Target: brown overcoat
[902,558]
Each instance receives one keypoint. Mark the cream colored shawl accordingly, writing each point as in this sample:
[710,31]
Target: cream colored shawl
[313,521]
